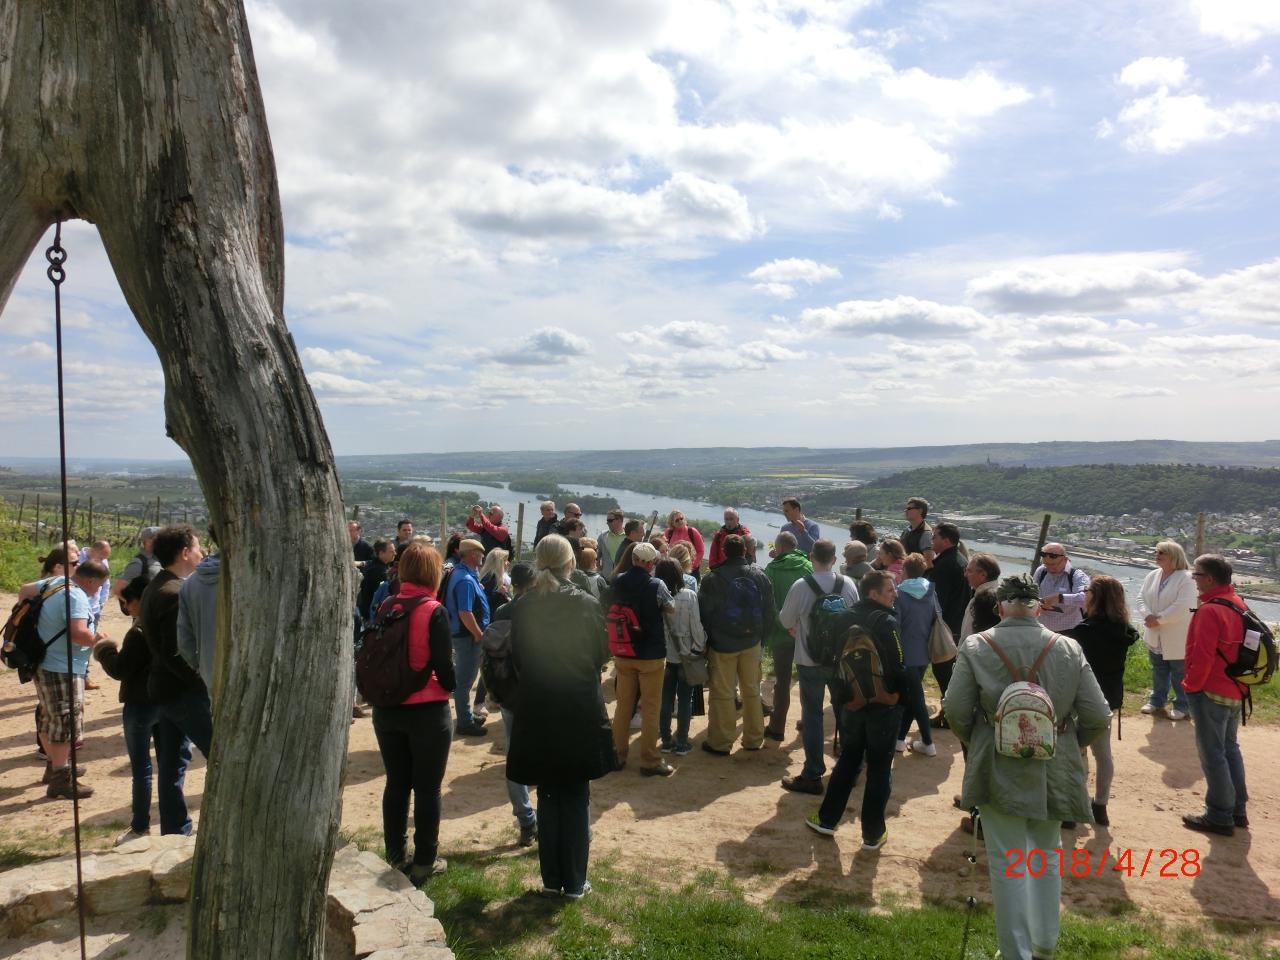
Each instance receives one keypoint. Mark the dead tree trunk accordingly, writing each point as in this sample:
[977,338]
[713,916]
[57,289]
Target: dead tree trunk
[146,118]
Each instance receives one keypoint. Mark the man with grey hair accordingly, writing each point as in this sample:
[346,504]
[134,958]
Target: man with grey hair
[732,525]
[1062,589]
[1022,803]
[143,563]
[490,529]
[547,522]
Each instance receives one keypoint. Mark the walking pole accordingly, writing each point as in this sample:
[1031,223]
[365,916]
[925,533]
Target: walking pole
[519,528]
[1044,536]
[444,521]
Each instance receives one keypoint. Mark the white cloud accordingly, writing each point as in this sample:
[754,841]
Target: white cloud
[336,360]
[35,350]
[777,277]
[1262,68]
[681,333]
[766,352]
[1238,21]
[1248,295]
[1141,393]
[1082,282]
[977,94]
[900,316]
[1200,344]
[1167,123]
[1067,348]
[544,347]
[337,389]
[1155,72]
[353,301]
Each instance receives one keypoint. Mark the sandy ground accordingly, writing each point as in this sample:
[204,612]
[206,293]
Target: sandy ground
[731,815]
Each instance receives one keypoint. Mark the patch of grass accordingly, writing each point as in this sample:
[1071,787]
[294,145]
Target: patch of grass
[22,847]
[489,909]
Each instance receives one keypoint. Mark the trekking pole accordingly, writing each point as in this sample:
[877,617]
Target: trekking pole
[971,901]
[1119,714]
[653,520]
[1044,537]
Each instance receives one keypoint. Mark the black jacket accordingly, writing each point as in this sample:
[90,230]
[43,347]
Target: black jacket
[375,571]
[713,594]
[881,623]
[130,664]
[639,591]
[1106,646]
[954,594]
[170,676]
[561,732]
[546,525]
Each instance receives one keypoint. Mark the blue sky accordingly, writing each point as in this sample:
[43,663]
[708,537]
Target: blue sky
[605,224]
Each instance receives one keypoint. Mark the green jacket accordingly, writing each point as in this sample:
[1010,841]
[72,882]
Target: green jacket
[782,572]
[1052,789]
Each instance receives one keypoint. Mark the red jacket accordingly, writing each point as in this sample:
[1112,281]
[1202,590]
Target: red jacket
[690,533]
[420,642]
[717,545]
[1213,640]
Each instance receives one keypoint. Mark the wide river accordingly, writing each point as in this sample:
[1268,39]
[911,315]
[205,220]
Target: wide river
[765,525]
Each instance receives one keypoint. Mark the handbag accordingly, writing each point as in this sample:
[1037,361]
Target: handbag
[693,670]
[942,647]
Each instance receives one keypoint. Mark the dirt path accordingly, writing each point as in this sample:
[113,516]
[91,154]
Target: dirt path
[730,814]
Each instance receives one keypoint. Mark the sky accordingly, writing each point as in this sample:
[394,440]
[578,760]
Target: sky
[565,224]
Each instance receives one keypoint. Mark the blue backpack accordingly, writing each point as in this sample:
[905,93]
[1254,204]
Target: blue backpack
[743,607]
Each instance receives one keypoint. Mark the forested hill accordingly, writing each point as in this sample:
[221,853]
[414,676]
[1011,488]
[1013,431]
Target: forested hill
[1109,489]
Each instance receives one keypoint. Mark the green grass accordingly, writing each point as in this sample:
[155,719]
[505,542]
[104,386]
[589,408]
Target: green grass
[489,909]
[19,848]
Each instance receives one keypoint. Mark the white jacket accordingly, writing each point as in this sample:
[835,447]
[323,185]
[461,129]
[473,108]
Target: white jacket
[1172,606]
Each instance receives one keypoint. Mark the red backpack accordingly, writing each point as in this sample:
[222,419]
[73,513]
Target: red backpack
[383,674]
[624,629]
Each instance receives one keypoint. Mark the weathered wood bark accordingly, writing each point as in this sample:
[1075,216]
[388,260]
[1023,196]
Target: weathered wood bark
[145,117]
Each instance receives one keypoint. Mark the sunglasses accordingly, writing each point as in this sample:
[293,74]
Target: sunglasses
[573,516]
[1052,556]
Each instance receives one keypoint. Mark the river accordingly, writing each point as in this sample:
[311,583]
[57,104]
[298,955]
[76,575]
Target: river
[764,525]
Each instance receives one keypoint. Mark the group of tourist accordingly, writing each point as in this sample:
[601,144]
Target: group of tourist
[677,620]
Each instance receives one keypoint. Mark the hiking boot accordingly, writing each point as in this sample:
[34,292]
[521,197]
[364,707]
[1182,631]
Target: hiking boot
[817,826]
[1241,820]
[421,872]
[60,785]
[811,785]
[529,834]
[663,769]
[1203,824]
[876,844]
[472,730]
[772,734]
[1100,814]
[48,771]
[683,749]
[710,749]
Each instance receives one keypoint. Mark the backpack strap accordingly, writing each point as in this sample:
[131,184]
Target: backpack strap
[813,585]
[1033,674]
[1014,672]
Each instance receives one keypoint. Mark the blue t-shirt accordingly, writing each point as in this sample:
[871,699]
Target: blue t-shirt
[466,595]
[53,618]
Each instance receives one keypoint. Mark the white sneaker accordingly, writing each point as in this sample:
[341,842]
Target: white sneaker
[1176,714]
[1149,708]
[928,749]
[900,747]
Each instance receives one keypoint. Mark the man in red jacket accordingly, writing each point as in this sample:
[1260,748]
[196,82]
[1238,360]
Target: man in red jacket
[1213,642]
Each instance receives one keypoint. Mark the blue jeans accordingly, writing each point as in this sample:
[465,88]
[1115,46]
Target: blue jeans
[677,698]
[1225,793]
[564,834]
[813,692]
[517,793]
[1163,673]
[466,664]
[869,735]
[142,722]
[916,708]
[192,714]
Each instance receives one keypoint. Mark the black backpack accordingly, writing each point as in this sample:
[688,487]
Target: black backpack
[22,648]
[497,668]
[383,674]
[825,637]
[743,610]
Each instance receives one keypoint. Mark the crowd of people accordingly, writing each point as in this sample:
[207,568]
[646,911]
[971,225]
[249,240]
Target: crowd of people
[686,629]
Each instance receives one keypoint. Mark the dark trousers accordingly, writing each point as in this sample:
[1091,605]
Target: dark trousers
[142,724]
[414,742]
[942,673]
[784,654]
[869,735]
[193,715]
[564,834]
[916,709]
[677,701]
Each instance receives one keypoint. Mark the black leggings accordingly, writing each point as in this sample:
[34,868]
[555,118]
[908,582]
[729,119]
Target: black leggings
[414,742]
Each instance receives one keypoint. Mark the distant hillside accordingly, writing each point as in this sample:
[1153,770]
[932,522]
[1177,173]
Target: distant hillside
[1109,489]
[727,463]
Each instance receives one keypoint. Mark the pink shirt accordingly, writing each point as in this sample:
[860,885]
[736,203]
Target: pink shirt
[420,642]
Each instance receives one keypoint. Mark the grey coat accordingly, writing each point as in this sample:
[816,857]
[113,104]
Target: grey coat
[1052,789]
